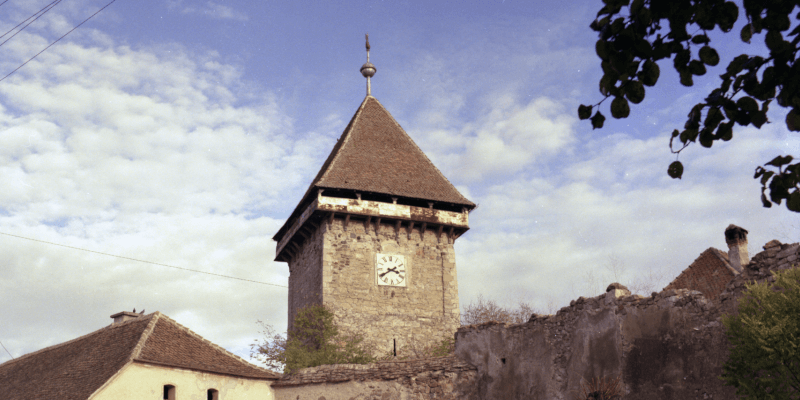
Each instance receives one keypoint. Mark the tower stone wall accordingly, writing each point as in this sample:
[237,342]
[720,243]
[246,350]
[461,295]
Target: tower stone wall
[336,267]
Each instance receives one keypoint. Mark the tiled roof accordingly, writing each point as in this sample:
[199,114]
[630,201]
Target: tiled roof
[78,368]
[709,274]
[374,154]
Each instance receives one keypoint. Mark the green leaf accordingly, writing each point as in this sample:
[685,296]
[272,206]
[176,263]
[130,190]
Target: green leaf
[713,118]
[793,120]
[650,73]
[728,16]
[737,64]
[620,108]
[706,138]
[689,135]
[700,39]
[764,201]
[686,78]
[709,56]
[747,33]
[675,170]
[725,131]
[747,104]
[601,48]
[584,112]
[780,161]
[793,202]
[697,68]
[758,118]
[597,120]
[634,91]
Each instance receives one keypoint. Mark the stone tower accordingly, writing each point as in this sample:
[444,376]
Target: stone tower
[372,238]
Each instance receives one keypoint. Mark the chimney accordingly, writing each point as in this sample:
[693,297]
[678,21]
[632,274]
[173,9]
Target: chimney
[736,238]
[121,317]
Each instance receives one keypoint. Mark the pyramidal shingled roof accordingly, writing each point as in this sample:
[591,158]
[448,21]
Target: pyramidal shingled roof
[374,154]
[78,368]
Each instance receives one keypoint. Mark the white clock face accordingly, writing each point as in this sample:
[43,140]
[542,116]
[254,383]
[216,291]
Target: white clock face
[390,269]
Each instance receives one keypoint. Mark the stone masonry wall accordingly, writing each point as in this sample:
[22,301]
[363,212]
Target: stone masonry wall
[446,378]
[424,311]
[671,345]
[305,275]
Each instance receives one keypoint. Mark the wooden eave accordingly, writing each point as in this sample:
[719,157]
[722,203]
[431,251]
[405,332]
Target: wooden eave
[458,222]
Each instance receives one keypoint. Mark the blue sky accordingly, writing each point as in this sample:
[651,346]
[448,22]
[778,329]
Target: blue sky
[184,133]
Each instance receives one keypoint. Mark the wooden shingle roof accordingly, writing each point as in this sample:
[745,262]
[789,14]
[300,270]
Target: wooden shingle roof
[76,369]
[374,154]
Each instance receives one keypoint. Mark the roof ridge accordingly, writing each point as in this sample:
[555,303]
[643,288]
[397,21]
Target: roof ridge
[56,346]
[137,350]
[725,261]
[196,335]
[344,139]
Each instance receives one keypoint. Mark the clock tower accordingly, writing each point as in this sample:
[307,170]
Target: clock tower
[372,238]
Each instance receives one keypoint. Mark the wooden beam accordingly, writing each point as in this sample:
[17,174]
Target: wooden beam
[450,235]
[331,217]
[439,233]
[422,230]
[410,229]
[346,221]
[397,227]
[366,224]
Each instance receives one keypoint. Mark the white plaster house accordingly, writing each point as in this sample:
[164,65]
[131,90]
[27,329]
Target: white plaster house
[137,357]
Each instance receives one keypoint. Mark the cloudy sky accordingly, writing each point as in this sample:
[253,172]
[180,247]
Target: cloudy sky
[184,133]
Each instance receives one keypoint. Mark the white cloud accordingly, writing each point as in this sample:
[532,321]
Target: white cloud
[210,9]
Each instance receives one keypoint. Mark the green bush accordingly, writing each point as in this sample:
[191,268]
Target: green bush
[314,340]
[764,361]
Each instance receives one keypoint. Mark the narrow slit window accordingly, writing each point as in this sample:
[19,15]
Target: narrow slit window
[213,394]
[169,392]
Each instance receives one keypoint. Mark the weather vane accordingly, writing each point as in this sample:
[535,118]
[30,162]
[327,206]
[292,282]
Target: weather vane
[368,70]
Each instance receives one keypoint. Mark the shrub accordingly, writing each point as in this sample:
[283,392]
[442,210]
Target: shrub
[764,360]
[314,340]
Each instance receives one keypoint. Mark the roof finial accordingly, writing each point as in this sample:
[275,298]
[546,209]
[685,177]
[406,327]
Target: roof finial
[368,70]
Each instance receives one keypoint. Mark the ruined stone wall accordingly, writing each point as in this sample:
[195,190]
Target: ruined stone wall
[437,378]
[305,275]
[671,345]
[424,311]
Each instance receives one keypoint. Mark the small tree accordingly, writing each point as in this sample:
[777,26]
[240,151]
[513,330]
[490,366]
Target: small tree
[314,340]
[483,311]
[764,361]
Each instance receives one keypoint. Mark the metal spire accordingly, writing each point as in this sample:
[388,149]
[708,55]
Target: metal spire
[368,70]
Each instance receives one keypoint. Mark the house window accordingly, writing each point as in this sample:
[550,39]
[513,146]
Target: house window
[169,392]
[213,394]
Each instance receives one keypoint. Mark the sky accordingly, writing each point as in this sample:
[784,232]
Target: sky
[183,133]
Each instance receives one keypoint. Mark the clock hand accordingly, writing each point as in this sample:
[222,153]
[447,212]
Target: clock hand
[389,270]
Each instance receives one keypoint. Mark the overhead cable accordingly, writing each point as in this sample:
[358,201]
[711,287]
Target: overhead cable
[56,41]
[143,261]
[38,14]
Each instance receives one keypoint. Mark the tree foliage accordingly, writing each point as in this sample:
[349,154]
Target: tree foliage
[483,311]
[313,340]
[634,36]
[764,361]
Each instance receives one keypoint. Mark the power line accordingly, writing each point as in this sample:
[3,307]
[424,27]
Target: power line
[56,41]
[37,14]
[143,261]
[1,343]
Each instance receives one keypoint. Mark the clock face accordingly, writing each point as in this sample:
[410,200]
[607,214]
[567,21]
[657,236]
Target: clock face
[390,269]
